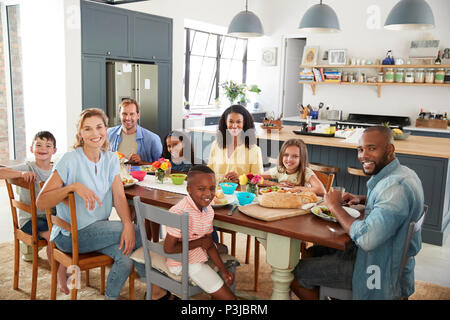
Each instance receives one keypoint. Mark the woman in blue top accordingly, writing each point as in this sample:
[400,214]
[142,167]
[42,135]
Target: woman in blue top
[92,173]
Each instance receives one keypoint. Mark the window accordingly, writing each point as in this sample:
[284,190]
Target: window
[12,122]
[210,60]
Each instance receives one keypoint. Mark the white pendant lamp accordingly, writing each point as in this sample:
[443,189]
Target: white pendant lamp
[320,18]
[410,15]
[246,24]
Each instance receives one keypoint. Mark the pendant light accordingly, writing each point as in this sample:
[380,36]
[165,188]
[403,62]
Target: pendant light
[246,24]
[320,18]
[410,15]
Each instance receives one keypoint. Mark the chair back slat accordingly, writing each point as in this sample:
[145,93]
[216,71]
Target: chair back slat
[413,228]
[159,248]
[164,217]
[17,204]
[60,223]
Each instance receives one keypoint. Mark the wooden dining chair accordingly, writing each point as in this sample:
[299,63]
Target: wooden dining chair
[19,235]
[75,260]
[327,181]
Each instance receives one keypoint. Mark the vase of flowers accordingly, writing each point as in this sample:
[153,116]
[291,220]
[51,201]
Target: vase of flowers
[250,182]
[162,169]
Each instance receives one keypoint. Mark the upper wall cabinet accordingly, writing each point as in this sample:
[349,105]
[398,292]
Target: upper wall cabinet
[152,37]
[105,31]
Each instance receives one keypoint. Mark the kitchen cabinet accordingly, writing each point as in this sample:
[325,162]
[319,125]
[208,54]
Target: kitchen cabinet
[94,82]
[378,85]
[152,37]
[164,99]
[105,30]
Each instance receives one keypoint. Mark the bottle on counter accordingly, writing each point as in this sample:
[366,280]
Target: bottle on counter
[438,59]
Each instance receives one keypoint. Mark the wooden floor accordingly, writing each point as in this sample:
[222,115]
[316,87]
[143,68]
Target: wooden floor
[432,262]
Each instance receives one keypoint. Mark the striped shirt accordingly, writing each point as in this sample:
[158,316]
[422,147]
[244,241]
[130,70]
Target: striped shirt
[200,224]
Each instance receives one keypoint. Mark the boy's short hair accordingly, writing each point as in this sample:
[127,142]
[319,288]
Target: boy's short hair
[197,169]
[45,135]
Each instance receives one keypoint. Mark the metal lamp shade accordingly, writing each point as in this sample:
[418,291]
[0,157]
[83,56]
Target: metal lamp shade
[246,24]
[410,15]
[320,18]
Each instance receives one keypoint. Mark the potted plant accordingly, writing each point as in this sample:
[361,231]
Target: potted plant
[234,91]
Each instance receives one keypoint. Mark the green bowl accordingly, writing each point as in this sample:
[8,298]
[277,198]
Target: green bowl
[178,178]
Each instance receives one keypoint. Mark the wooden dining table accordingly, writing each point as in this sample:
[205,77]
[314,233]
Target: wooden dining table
[281,238]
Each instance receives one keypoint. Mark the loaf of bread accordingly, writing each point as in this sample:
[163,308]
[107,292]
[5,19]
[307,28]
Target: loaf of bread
[286,200]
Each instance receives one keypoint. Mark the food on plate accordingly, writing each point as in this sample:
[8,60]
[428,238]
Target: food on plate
[126,181]
[148,168]
[322,210]
[220,195]
[220,198]
[273,189]
[286,200]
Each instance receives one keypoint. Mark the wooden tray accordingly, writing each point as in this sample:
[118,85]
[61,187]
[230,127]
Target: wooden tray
[431,123]
[256,211]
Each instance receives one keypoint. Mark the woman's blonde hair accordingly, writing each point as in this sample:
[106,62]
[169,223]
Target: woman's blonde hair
[303,158]
[88,113]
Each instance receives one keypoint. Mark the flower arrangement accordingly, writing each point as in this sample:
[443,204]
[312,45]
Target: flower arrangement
[252,182]
[162,168]
[234,91]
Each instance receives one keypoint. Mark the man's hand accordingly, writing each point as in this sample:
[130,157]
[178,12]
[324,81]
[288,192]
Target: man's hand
[134,158]
[351,199]
[28,176]
[332,199]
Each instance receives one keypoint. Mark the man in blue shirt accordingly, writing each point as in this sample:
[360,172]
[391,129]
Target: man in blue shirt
[139,145]
[370,267]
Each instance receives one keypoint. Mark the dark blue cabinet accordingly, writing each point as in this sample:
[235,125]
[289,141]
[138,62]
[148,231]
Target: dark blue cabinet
[164,98]
[94,82]
[105,30]
[152,37]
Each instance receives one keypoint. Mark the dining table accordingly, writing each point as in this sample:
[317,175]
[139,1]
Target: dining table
[281,238]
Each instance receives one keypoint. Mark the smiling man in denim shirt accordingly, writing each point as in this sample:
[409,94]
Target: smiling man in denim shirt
[370,267]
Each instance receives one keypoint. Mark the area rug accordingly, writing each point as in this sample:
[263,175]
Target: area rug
[244,277]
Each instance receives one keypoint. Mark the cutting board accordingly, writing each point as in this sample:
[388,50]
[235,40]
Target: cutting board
[256,211]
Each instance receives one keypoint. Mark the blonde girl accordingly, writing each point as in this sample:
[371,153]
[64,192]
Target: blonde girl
[292,169]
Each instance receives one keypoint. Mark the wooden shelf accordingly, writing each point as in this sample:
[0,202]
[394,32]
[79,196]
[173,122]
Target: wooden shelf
[378,66]
[313,84]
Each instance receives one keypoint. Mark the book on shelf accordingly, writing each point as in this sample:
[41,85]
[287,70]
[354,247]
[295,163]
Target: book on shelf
[306,75]
[317,75]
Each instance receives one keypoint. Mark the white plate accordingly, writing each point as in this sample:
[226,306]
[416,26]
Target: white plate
[352,212]
[130,184]
[230,199]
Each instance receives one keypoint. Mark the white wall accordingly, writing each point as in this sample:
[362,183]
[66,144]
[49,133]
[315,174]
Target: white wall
[361,39]
[51,69]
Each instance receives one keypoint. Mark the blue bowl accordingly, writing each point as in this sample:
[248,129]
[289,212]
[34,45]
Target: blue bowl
[245,197]
[228,187]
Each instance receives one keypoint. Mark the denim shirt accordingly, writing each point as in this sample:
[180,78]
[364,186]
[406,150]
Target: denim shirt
[149,143]
[394,199]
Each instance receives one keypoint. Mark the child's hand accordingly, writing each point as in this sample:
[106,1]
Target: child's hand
[286,184]
[28,176]
[228,276]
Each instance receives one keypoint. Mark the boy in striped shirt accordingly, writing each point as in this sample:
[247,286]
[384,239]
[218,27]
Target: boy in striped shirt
[201,186]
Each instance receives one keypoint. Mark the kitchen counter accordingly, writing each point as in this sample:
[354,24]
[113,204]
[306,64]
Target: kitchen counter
[429,157]
[414,145]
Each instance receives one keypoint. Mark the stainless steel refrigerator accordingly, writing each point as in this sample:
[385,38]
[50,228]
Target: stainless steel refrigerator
[137,81]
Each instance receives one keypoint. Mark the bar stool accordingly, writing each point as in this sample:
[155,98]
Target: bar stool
[325,169]
[356,172]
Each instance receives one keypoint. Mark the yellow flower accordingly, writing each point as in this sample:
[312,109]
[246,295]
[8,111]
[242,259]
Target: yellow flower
[243,180]
[262,180]
[164,166]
